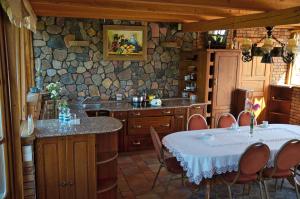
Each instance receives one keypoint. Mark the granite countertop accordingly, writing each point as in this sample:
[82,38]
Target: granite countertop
[103,124]
[127,106]
[88,125]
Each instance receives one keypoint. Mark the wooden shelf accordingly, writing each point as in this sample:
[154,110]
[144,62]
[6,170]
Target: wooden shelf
[280,113]
[279,105]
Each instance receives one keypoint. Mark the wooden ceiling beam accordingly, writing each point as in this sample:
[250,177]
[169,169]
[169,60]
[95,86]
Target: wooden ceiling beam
[272,18]
[153,8]
[79,10]
[255,5]
[172,9]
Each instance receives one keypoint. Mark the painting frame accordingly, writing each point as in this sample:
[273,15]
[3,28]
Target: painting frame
[108,54]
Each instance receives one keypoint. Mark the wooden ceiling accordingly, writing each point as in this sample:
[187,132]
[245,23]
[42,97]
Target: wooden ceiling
[158,10]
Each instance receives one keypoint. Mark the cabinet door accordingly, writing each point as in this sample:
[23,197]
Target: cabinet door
[50,165]
[225,78]
[81,166]
[180,120]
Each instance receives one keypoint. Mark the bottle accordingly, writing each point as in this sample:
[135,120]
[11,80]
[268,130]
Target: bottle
[144,96]
[61,114]
[67,115]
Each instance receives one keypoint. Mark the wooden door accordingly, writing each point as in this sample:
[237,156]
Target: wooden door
[225,78]
[255,76]
[81,166]
[51,167]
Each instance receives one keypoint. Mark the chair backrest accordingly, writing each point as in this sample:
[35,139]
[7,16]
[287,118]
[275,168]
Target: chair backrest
[244,119]
[157,144]
[254,159]
[196,122]
[288,156]
[226,120]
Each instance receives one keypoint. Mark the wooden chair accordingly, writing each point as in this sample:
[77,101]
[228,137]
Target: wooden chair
[196,122]
[251,164]
[226,120]
[170,163]
[244,119]
[287,158]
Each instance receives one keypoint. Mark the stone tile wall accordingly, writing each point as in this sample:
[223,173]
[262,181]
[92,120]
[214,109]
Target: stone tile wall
[82,70]
[295,107]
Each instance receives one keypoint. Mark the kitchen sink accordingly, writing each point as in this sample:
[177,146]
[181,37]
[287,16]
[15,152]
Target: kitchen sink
[86,106]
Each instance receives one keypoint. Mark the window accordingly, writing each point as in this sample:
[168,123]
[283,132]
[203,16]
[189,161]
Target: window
[295,78]
[295,72]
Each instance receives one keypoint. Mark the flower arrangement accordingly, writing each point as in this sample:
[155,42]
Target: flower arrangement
[251,107]
[54,90]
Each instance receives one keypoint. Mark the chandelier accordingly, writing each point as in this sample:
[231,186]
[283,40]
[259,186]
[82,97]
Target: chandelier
[267,50]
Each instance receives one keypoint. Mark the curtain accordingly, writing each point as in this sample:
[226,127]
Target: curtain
[17,64]
[20,13]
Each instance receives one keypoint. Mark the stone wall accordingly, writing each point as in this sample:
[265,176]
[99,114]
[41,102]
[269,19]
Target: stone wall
[295,106]
[82,70]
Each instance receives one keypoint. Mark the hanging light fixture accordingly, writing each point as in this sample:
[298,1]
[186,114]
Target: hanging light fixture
[267,50]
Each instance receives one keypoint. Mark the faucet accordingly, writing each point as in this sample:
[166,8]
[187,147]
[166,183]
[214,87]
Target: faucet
[84,99]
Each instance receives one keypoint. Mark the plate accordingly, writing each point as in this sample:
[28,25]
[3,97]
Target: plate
[207,137]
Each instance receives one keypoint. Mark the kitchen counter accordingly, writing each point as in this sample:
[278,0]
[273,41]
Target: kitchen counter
[92,125]
[127,106]
[96,125]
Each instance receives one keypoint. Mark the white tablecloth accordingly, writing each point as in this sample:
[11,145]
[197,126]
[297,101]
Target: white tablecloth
[203,153]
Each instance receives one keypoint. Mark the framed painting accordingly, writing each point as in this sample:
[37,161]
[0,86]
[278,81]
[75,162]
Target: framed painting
[124,42]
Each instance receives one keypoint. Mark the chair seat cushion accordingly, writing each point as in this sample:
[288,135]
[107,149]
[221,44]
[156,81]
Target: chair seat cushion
[278,174]
[229,177]
[173,165]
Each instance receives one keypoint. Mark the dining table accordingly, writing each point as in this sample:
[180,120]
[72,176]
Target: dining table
[204,154]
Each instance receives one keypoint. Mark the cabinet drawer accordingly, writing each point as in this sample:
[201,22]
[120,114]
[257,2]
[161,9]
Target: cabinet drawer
[139,143]
[197,109]
[153,112]
[163,124]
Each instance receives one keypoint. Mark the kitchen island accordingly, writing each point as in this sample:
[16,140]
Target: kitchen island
[77,161]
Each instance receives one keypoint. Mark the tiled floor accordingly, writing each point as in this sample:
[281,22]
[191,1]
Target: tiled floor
[137,170]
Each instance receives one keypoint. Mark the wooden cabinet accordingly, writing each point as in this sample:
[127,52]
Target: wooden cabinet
[135,134]
[66,167]
[180,118]
[197,109]
[141,125]
[279,105]
[218,77]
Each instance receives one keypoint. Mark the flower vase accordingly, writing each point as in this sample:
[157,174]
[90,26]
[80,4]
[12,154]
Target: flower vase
[252,118]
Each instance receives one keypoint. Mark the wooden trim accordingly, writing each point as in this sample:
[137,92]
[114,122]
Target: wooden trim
[108,160]
[273,18]
[107,189]
[11,34]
